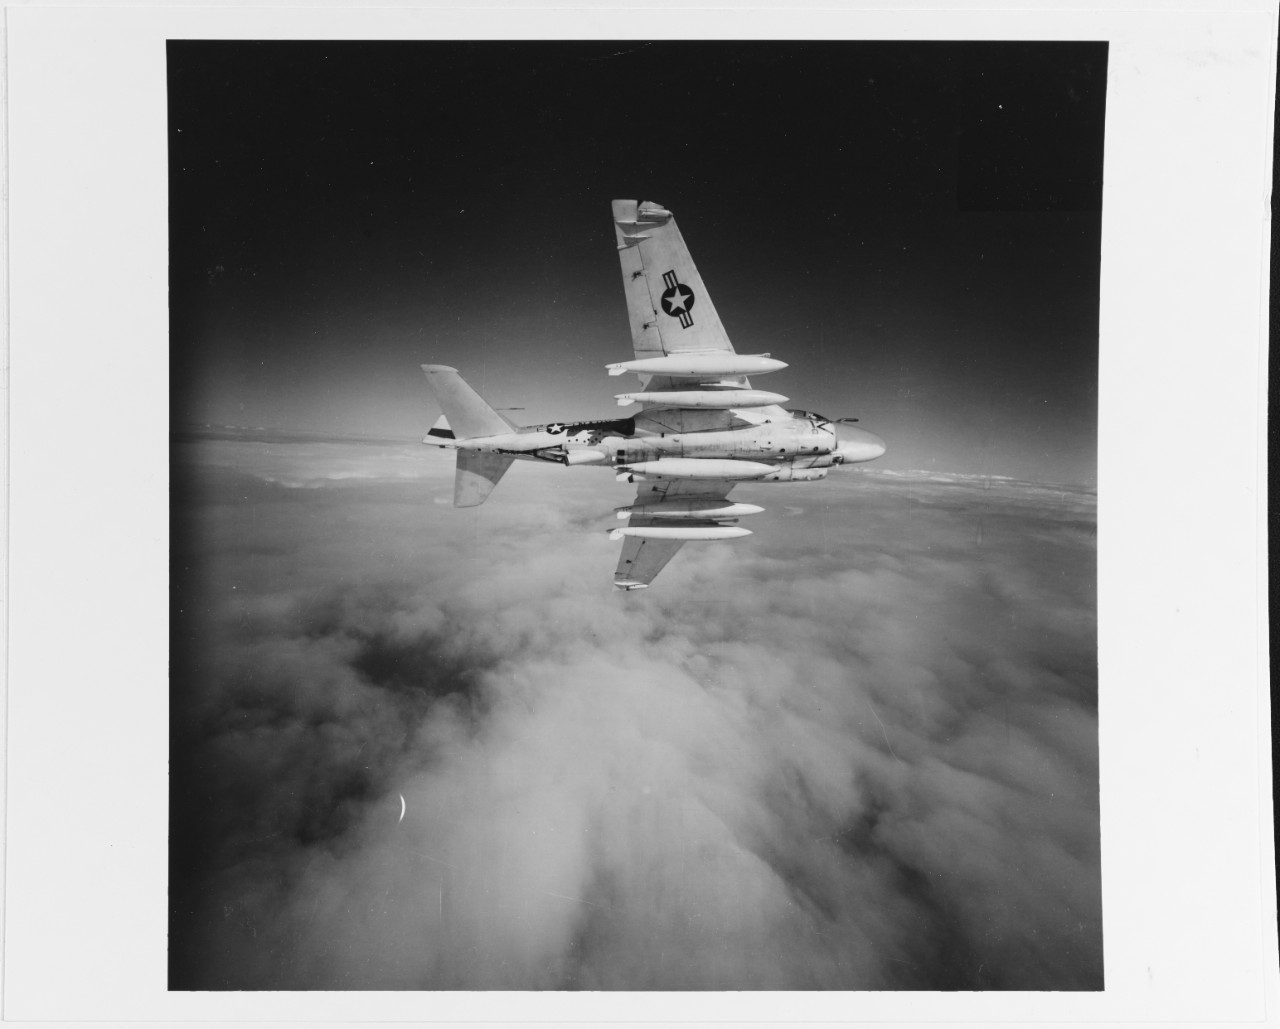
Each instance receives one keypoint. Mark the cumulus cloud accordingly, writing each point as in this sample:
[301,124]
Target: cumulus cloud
[858,751]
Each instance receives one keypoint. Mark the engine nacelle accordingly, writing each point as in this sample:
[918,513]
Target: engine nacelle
[592,456]
[815,461]
[789,473]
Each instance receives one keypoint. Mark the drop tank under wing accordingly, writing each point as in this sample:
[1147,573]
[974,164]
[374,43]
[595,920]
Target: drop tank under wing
[644,556]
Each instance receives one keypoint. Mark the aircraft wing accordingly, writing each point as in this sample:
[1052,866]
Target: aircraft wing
[642,559]
[669,307]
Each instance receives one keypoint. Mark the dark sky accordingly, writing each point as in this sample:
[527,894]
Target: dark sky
[914,227]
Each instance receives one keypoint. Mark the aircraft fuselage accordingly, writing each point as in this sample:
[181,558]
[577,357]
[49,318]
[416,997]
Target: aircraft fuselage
[770,435]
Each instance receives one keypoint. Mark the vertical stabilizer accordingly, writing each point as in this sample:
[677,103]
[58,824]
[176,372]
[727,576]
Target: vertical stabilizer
[468,415]
[478,472]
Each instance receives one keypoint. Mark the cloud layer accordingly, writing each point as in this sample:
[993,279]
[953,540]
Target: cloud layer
[858,751]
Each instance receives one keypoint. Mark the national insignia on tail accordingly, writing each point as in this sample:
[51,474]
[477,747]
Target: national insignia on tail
[677,300]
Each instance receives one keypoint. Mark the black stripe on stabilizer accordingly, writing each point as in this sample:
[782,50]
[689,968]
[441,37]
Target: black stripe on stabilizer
[442,434]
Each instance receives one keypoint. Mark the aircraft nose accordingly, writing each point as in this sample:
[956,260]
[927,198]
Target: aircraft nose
[859,444]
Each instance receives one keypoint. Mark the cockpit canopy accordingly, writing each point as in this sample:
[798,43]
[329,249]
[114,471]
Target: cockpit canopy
[818,420]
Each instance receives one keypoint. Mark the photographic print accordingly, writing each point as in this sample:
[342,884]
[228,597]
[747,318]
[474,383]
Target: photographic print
[764,659]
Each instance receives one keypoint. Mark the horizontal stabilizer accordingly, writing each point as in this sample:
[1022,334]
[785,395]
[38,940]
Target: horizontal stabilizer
[468,415]
[478,472]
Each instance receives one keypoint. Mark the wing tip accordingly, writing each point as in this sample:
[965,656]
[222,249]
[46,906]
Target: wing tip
[627,585]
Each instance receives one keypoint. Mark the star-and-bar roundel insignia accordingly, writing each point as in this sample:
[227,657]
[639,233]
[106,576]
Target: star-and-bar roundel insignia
[677,300]
[555,428]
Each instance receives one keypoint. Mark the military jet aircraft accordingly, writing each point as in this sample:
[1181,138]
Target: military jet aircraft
[701,430]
